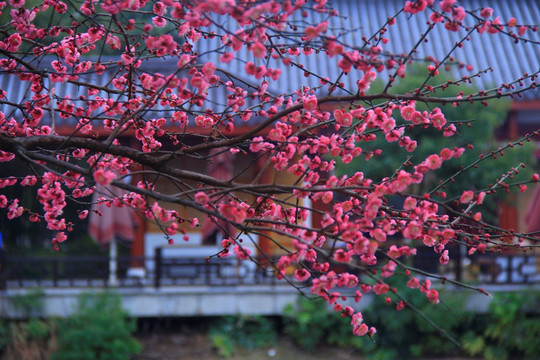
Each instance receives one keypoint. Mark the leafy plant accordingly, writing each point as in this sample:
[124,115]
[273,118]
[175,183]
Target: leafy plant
[223,343]
[402,334]
[250,332]
[4,335]
[100,329]
[307,322]
[37,329]
[31,340]
[310,323]
[512,329]
[31,303]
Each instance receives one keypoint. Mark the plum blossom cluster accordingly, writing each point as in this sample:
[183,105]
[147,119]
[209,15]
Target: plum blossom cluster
[170,101]
[451,14]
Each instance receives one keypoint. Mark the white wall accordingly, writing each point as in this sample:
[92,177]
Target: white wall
[191,248]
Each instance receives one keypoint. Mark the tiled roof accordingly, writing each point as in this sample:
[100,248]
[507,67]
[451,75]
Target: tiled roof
[508,60]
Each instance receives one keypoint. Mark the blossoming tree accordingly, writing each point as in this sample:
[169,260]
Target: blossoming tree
[142,88]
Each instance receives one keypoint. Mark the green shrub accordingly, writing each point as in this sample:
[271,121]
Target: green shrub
[30,340]
[100,329]
[250,332]
[38,329]
[223,343]
[405,334]
[401,334]
[4,335]
[512,328]
[31,303]
[310,323]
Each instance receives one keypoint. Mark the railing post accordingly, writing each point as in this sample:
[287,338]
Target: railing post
[113,263]
[157,267]
[509,269]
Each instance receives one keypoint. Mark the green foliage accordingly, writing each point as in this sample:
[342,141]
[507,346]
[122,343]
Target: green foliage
[509,330]
[223,343]
[309,323]
[37,329]
[31,340]
[513,329]
[401,334]
[405,334]
[31,303]
[473,344]
[255,332]
[250,332]
[4,335]
[100,329]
